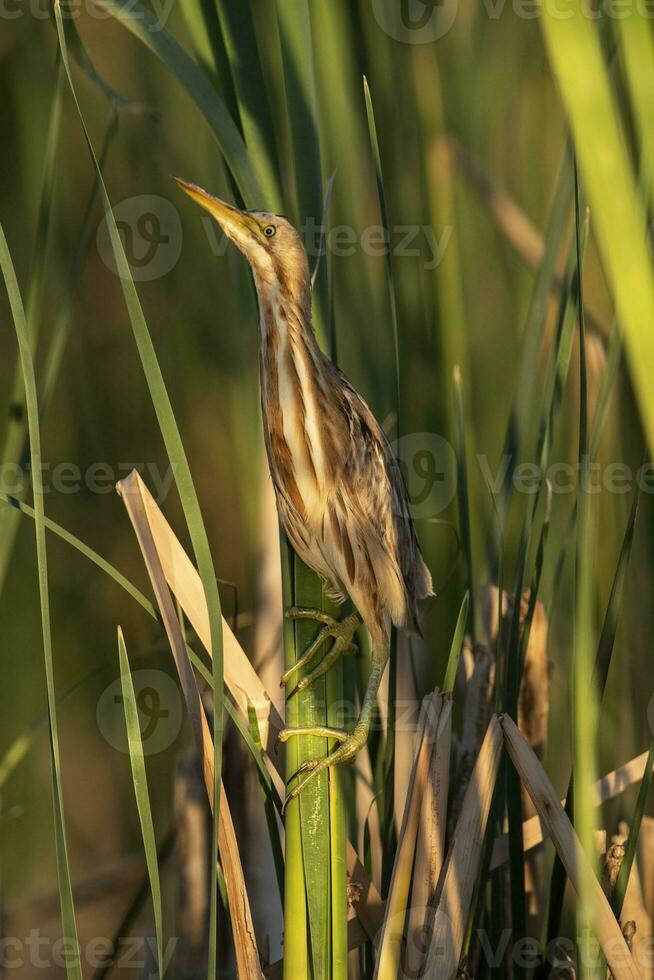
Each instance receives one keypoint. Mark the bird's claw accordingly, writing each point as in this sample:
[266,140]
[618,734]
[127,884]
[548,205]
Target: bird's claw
[341,631]
[346,752]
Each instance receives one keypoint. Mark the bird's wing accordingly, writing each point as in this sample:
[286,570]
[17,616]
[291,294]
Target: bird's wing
[370,522]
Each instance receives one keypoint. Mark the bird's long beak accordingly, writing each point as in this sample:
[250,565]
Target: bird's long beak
[235,223]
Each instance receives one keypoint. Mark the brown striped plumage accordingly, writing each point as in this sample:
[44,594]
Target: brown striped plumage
[340,493]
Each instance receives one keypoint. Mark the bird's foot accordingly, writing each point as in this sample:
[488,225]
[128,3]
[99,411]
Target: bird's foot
[340,630]
[351,744]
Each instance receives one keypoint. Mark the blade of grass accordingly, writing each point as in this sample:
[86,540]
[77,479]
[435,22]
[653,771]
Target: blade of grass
[15,433]
[83,59]
[268,793]
[521,409]
[576,58]
[184,480]
[463,494]
[69,925]
[236,21]
[140,780]
[614,357]
[389,835]
[603,655]
[390,278]
[150,32]
[584,705]
[456,647]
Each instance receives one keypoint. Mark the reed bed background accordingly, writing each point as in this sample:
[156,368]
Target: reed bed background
[455,169]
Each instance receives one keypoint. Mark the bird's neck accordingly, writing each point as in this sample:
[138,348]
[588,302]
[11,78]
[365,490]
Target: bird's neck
[292,390]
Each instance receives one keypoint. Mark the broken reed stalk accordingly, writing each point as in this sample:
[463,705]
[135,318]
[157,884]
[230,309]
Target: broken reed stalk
[430,846]
[388,960]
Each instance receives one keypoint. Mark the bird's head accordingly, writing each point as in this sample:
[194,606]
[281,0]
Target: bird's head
[269,242]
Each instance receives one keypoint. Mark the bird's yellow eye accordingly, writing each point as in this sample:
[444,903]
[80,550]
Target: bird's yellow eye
[269,231]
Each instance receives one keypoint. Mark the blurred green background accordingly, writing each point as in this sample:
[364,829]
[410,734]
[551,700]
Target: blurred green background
[485,82]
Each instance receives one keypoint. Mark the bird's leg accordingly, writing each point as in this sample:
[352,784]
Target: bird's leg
[341,631]
[351,742]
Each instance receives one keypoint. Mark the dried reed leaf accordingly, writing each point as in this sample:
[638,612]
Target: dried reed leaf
[247,956]
[240,677]
[606,788]
[391,940]
[457,881]
[572,855]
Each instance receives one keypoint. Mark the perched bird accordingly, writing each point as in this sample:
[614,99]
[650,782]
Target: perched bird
[340,493]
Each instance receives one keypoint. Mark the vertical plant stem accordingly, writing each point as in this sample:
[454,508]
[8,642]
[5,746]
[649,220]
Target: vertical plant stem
[296,936]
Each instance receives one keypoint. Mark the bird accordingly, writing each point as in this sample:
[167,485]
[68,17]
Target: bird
[341,496]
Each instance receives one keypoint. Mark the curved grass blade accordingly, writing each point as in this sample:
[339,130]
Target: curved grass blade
[140,780]
[619,220]
[389,833]
[69,925]
[176,454]
[463,492]
[85,550]
[236,22]
[15,434]
[83,59]
[269,793]
[613,359]
[456,647]
[585,705]
[149,30]
[545,279]
[374,144]
[610,625]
